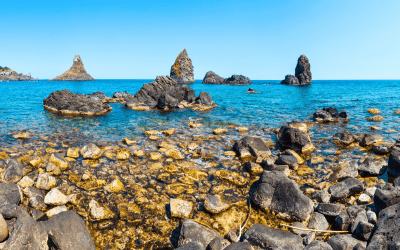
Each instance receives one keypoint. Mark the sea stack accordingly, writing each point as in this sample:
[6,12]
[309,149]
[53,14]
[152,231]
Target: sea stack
[182,70]
[212,78]
[77,72]
[302,73]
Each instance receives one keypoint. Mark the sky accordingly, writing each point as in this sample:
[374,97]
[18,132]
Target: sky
[357,39]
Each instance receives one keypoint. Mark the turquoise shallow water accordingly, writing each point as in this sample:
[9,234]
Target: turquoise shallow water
[21,106]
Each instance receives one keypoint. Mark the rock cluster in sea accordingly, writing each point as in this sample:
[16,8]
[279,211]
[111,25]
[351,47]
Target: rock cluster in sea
[77,72]
[9,75]
[302,73]
[212,78]
[165,93]
[67,103]
[182,69]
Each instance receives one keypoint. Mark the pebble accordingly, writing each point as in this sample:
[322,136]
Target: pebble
[26,181]
[46,182]
[55,197]
[364,198]
[56,210]
[180,208]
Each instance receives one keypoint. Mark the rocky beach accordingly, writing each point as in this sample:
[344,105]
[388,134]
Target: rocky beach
[319,179]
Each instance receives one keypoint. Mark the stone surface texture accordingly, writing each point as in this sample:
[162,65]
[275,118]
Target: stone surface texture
[182,69]
[77,72]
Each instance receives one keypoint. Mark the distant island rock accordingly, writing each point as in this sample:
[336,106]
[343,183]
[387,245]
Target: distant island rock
[77,72]
[164,93]
[182,69]
[302,73]
[67,103]
[212,78]
[7,75]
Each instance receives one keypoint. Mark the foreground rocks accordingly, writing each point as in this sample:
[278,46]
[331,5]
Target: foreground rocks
[182,69]
[165,93]
[77,72]
[67,103]
[293,138]
[302,73]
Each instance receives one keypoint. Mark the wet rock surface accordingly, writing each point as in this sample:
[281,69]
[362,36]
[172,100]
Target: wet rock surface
[293,138]
[77,72]
[332,115]
[67,103]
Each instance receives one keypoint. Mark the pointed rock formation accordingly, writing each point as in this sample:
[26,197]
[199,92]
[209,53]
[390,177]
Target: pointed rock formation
[212,78]
[182,70]
[77,72]
[302,73]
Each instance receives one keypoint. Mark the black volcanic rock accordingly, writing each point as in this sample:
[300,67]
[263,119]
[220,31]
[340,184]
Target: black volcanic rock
[237,80]
[212,78]
[68,103]
[329,115]
[77,72]
[99,96]
[164,92]
[303,70]
[182,69]
[302,73]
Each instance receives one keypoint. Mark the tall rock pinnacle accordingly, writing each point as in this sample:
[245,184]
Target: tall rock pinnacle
[303,70]
[77,72]
[182,70]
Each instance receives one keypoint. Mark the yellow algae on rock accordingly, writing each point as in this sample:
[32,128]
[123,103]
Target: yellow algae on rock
[52,150]
[74,178]
[24,159]
[73,152]
[231,220]
[91,185]
[141,108]
[36,162]
[151,132]
[374,111]
[22,135]
[170,131]
[115,186]
[232,177]
[3,155]
[91,151]
[155,156]
[52,144]
[90,163]
[195,175]
[298,157]
[242,129]
[180,208]
[317,159]
[176,188]
[171,168]
[123,154]
[230,153]
[128,141]
[138,153]
[129,212]
[109,154]
[192,124]
[59,161]
[153,137]
[203,108]
[300,126]
[175,154]
[219,131]
[98,212]
[376,118]
[304,170]
[397,111]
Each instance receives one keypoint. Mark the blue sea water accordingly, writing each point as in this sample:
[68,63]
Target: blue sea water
[275,105]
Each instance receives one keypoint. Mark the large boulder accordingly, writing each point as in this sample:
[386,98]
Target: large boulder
[164,92]
[346,188]
[212,78]
[182,69]
[372,166]
[277,193]
[12,172]
[77,72]
[344,242]
[386,196]
[303,70]
[10,192]
[67,103]
[252,146]
[295,139]
[290,80]
[237,80]
[387,230]
[193,232]
[263,237]
[204,98]
[394,163]
[329,115]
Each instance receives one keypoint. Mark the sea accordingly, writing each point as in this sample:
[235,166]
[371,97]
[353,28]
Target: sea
[21,107]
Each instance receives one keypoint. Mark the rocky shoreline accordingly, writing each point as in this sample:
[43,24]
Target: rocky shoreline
[230,187]
[11,76]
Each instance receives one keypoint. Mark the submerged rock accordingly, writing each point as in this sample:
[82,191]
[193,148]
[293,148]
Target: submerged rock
[329,115]
[344,138]
[182,69]
[277,193]
[263,237]
[67,103]
[77,72]
[212,78]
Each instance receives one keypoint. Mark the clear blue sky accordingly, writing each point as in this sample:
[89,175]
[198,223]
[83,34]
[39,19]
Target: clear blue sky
[357,39]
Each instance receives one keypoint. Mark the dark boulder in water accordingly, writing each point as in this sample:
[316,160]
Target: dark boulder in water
[212,78]
[193,232]
[329,115]
[295,139]
[252,146]
[67,103]
[290,80]
[164,93]
[237,80]
[344,138]
[303,70]
[99,96]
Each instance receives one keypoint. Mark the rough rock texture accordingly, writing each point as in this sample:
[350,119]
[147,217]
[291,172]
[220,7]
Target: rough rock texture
[263,237]
[329,209]
[204,98]
[193,232]
[164,92]
[366,140]
[346,217]
[344,138]
[343,242]
[394,163]
[386,196]
[68,103]
[276,192]
[372,166]
[182,69]
[387,228]
[239,246]
[99,96]
[122,95]
[303,70]
[329,115]
[212,78]
[12,172]
[180,208]
[348,169]
[10,192]
[237,80]
[318,245]
[252,146]
[290,80]
[77,72]
[295,139]
[318,221]
[345,188]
